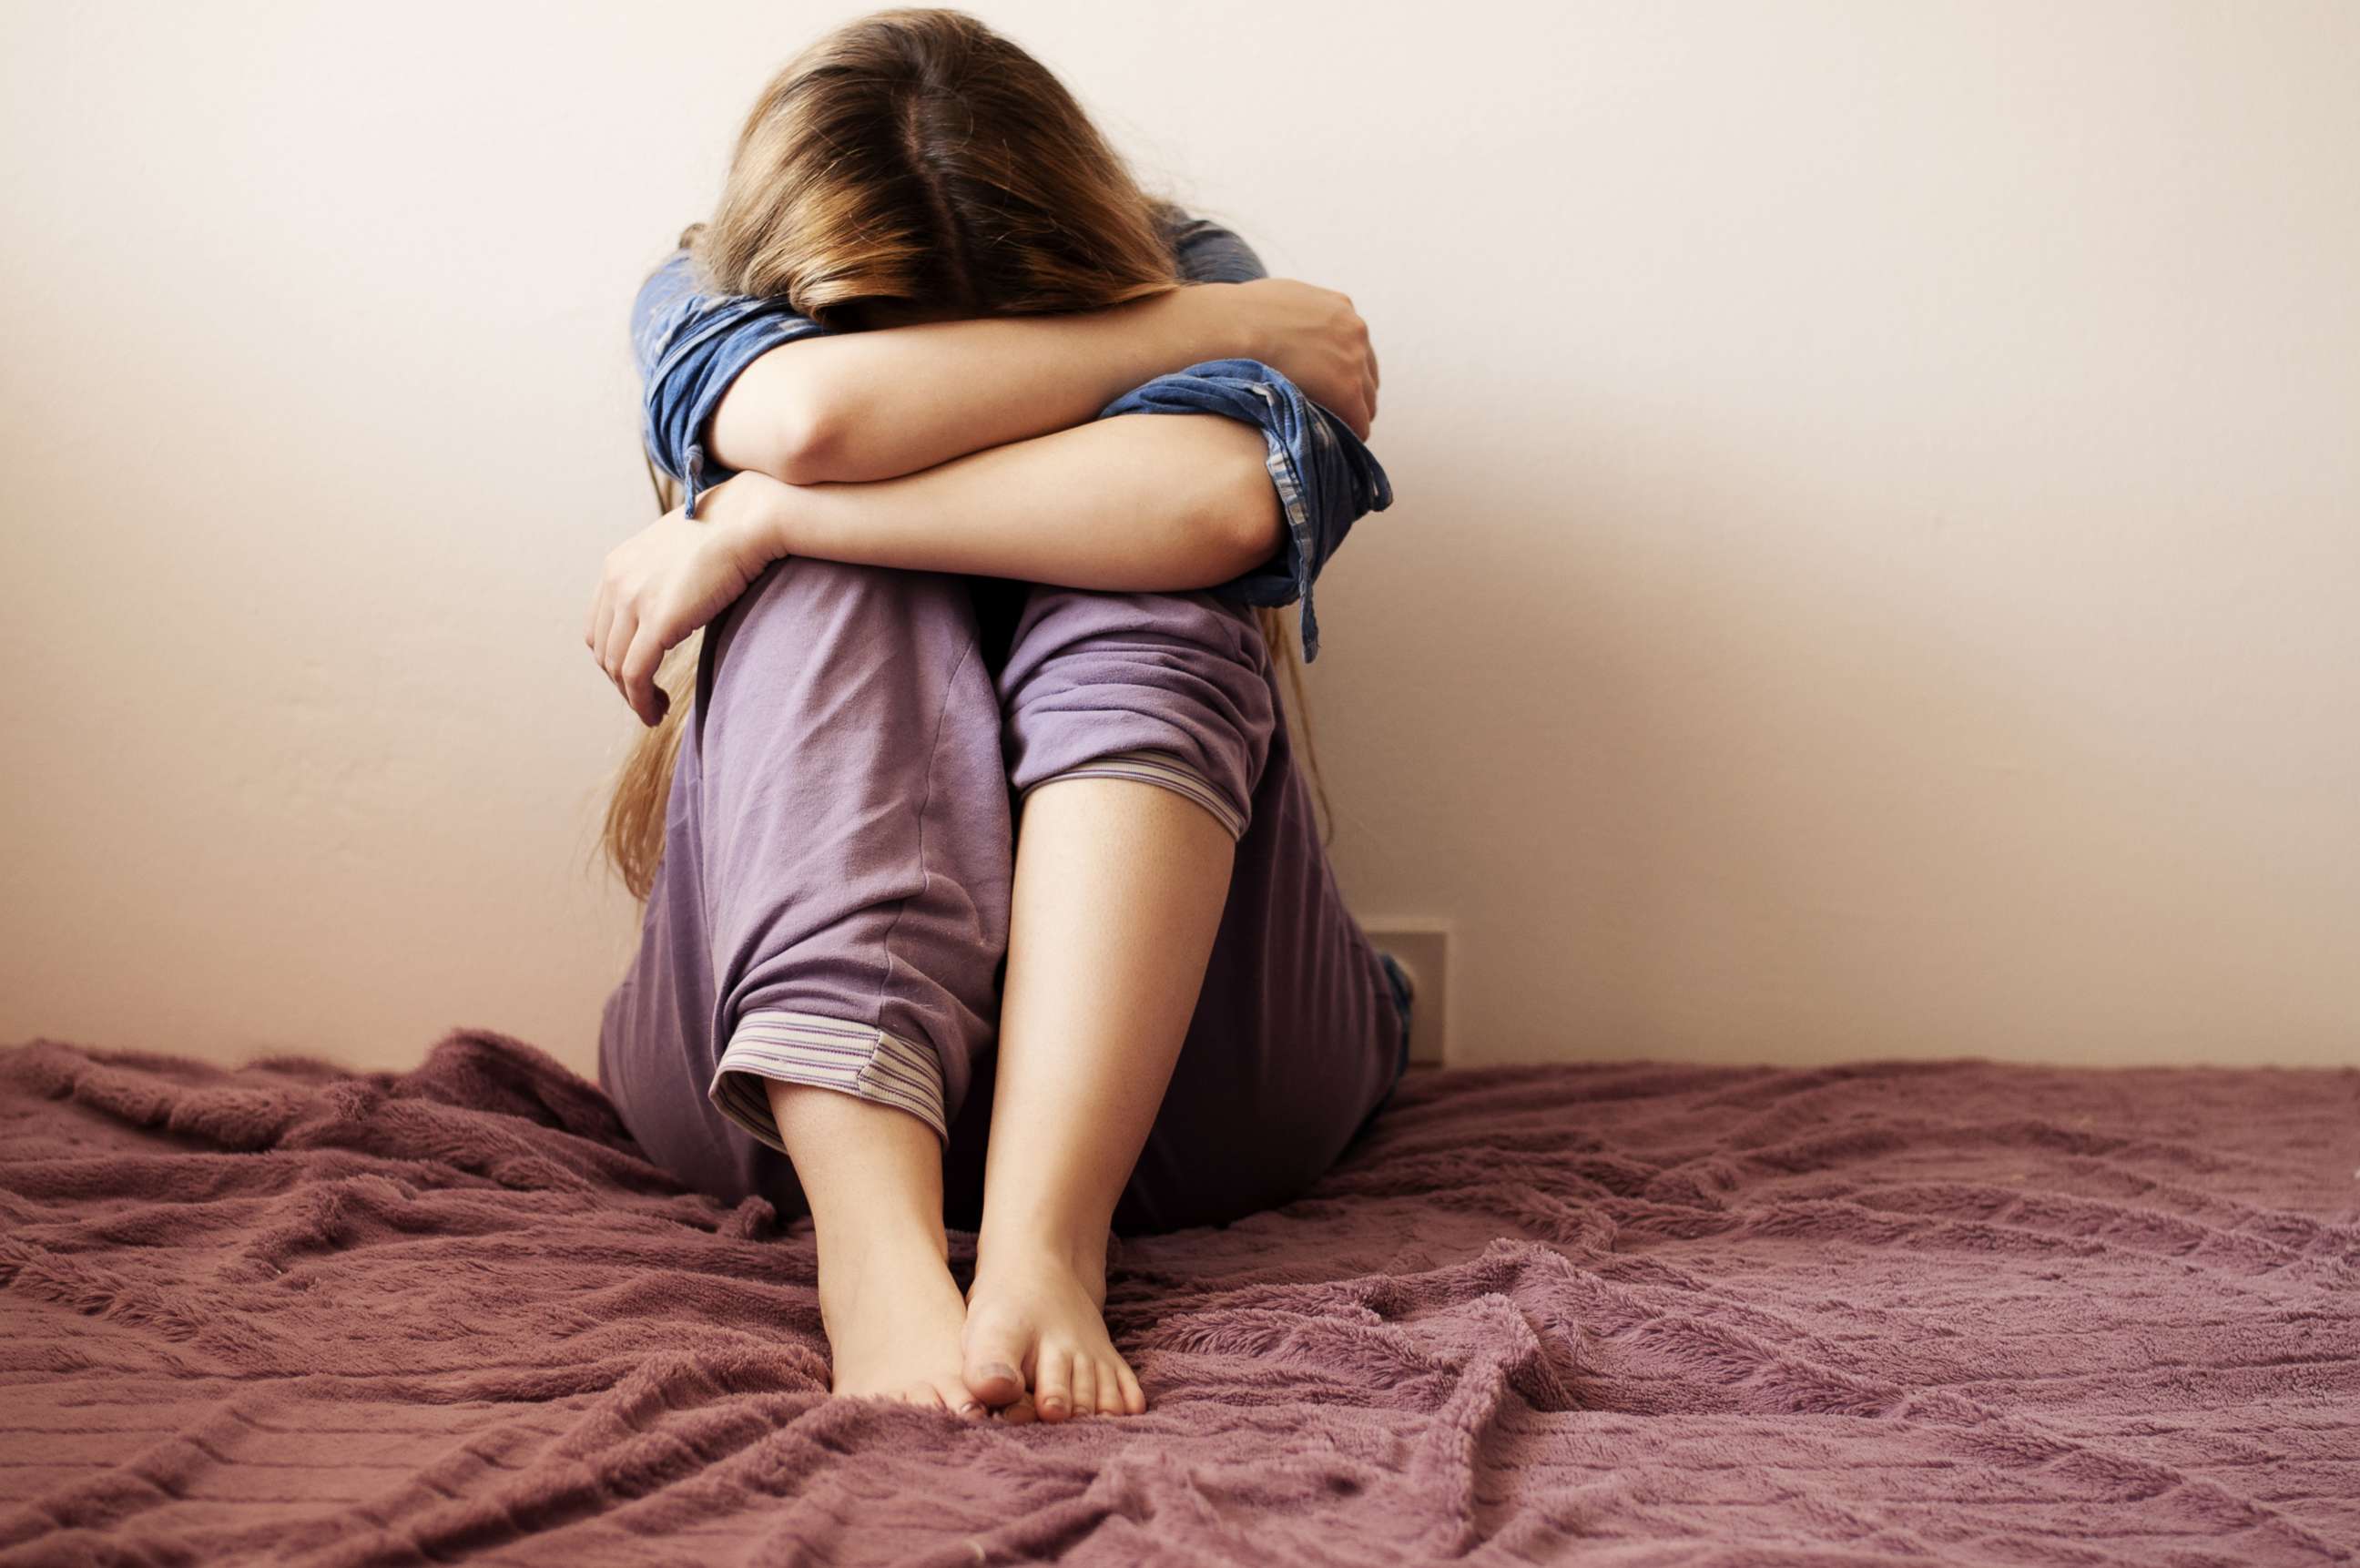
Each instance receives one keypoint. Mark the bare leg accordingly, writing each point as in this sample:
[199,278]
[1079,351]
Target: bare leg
[1118,895]
[874,1178]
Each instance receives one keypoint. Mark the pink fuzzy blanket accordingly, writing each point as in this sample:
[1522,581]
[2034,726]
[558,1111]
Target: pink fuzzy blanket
[1625,1314]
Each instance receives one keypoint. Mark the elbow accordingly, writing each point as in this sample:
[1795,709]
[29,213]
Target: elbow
[775,419]
[1249,522]
[1238,522]
[805,447]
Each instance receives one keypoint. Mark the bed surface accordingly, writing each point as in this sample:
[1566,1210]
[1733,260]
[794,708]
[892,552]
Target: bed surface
[1624,1314]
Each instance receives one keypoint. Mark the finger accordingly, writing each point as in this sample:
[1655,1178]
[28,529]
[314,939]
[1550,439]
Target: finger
[1346,409]
[639,663]
[604,618]
[598,610]
[619,632]
[605,640]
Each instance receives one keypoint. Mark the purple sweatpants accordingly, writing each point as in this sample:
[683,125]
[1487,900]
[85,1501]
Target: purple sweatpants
[832,905]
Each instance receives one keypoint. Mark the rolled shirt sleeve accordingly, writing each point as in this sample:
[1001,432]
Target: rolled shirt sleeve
[1326,479]
[690,346]
[1205,252]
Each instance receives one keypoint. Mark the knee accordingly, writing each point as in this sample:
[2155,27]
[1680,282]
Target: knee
[813,605]
[828,692]
[1172,688]
[805,628]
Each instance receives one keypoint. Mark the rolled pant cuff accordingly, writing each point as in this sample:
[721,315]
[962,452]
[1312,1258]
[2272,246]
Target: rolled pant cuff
[1156,768]
[859,1060]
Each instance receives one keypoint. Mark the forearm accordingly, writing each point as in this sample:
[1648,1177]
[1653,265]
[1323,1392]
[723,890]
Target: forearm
[1137,503]
[864,405]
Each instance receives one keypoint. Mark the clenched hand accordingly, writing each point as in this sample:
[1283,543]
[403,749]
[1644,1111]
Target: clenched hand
[1315,339]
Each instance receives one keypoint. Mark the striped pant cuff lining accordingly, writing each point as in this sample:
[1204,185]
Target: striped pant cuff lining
[859,1060]
[1156,768]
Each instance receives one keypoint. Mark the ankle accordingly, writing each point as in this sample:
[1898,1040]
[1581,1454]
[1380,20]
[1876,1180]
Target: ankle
[848,1253]
[1076,1248]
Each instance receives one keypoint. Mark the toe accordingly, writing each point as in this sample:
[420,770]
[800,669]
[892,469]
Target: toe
[991,1370]
[1053,1385]
[1084,1386]
[921,1394]
[1110,1392]
[1021,1413]
[956,1400]
[1134,1397]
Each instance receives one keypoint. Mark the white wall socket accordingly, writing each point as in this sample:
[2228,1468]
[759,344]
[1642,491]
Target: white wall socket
[1423,948]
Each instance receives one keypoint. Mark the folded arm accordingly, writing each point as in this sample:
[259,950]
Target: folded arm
[848,407]
[1134,505]
[874,404]
[735,383]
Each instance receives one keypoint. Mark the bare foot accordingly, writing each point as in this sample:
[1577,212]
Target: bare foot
[1035,1326]
[893,1316]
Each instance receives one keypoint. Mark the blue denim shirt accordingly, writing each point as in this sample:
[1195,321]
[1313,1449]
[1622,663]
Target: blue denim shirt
[691,346]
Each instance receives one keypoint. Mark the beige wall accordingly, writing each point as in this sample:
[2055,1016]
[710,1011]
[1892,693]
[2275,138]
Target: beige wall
[1875,568]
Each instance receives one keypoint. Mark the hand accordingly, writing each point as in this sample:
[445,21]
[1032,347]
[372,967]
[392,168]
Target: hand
[1315,339]
[674,576]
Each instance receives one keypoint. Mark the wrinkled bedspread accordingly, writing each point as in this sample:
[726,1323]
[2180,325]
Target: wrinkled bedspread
[1623,1313]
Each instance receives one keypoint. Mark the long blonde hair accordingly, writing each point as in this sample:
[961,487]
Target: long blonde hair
[912,154]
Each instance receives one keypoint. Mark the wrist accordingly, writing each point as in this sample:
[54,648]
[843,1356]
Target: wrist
[753,513]
[1213,323]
